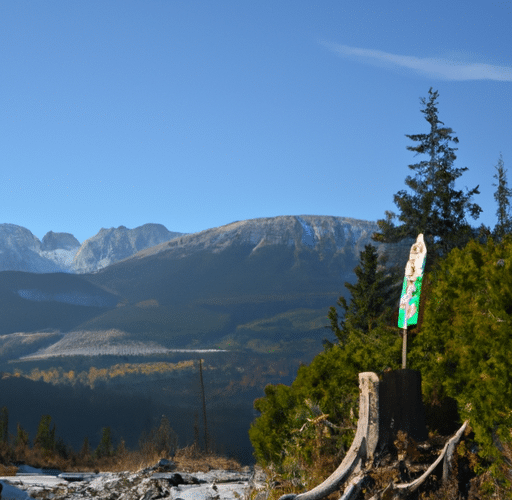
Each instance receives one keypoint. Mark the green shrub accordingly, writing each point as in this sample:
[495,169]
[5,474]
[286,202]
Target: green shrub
[464,346]
[316,416]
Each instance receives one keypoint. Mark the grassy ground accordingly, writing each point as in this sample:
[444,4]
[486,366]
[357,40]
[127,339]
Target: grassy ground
[188,459]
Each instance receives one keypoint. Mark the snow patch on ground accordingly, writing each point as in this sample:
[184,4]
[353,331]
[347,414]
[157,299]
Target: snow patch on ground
[105,343]
[146,483]
[76,298]
[10,492]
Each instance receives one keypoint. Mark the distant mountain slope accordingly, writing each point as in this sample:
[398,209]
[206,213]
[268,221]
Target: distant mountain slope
[20,250]
[60,248]
[55,241]
[114,244]
[204,287]
[37,302]
[260,282]
[267,255]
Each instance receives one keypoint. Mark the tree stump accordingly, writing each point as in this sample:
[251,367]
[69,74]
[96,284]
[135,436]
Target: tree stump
[401,407]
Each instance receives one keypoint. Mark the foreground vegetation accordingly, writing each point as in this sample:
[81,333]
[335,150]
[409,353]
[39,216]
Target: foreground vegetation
[49,451]
[461,344]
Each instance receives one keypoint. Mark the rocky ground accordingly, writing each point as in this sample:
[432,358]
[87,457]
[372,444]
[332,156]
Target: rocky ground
[161,481]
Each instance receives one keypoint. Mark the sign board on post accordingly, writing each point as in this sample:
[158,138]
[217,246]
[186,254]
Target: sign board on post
[410,298]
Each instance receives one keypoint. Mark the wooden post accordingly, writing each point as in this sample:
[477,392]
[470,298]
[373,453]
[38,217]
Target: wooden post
[404,342]
[404,349]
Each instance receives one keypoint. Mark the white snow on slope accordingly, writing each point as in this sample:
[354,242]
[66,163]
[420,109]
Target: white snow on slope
[308,237]
[61,257]
[75,298]
[101,343]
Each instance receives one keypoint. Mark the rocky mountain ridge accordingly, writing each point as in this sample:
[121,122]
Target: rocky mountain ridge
[114,244]
[266,275]
[308,231]
[20,250]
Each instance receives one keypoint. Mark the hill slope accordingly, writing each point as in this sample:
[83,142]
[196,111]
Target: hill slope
[210,289]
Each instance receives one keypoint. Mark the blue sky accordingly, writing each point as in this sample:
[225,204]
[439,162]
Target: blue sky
[194,114]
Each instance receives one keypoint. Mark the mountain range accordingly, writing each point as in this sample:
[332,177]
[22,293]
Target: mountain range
[20,250]
[250,297]
[202,289]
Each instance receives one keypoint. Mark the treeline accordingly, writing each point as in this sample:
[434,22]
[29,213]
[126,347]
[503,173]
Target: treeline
[461,345]
[47,449]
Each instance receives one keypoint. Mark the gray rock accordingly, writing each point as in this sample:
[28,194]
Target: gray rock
[20,250]
[114,244]
[164,465]
[55,241]
[145,484]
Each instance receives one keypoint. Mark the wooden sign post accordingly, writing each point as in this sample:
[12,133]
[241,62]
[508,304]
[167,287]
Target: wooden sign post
[410,299]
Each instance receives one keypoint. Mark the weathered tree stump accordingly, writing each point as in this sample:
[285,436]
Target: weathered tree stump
[401,407]
[385,408]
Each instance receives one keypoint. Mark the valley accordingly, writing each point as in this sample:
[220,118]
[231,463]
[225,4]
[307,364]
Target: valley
[250,299]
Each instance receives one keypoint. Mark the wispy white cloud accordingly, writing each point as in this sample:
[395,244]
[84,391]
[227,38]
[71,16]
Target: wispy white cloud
[444,68]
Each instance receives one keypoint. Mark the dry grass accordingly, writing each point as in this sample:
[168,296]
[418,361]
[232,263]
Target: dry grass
[188,459]
[9,470]
[192,459]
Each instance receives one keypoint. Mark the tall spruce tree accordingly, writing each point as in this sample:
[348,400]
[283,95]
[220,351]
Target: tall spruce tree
[371,297]
[502,196]
[434,208]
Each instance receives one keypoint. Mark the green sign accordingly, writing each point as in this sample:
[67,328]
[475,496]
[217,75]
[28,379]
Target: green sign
[411,289]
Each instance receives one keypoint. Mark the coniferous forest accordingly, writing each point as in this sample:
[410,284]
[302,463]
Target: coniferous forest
[462,343]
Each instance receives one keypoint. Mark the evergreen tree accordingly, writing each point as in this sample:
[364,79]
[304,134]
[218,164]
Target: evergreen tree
[62,449]
[371,297]
[502,196]
[105,448]
[21,440]
[45,437]
[283,435]
[272,430]
[434,208]
[85,451]
[164,438]
[463,347]
[4,425]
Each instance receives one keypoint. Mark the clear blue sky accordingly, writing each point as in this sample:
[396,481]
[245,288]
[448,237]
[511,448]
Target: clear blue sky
[194,114]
